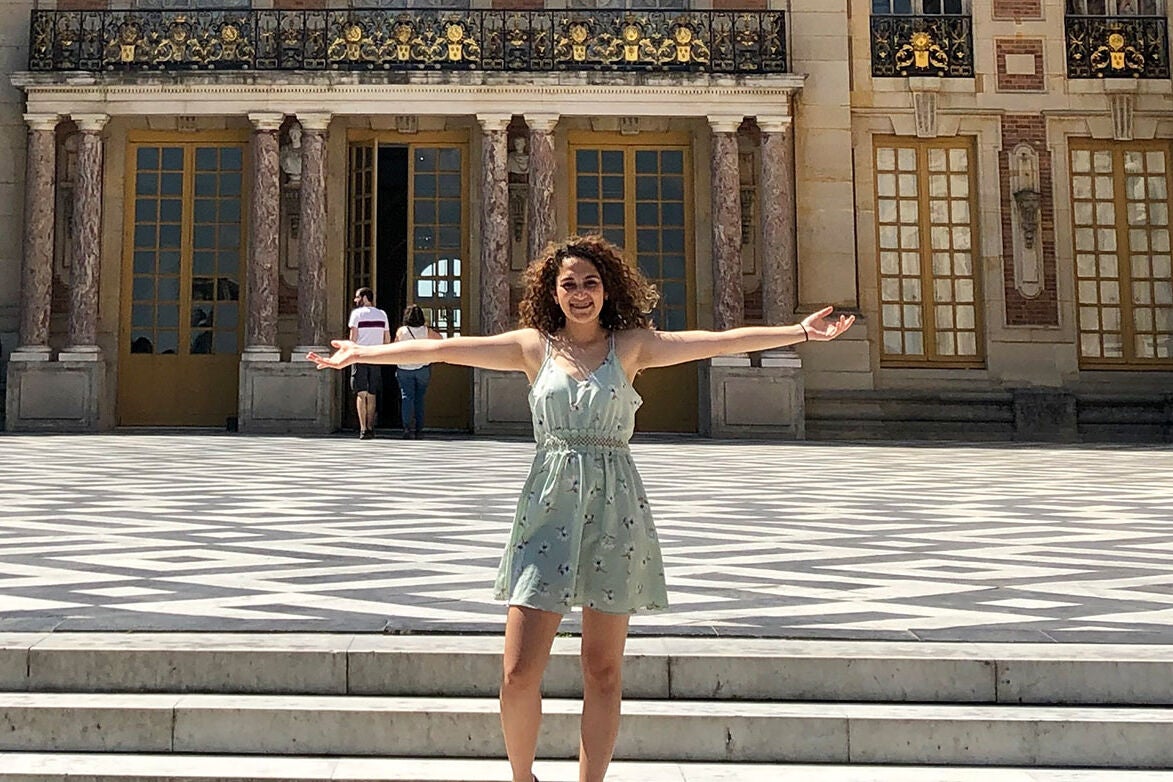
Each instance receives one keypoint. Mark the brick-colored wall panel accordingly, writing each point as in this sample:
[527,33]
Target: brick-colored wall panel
[739,5]
[82,5]
[298,5]
[1042,310]
[519,5]
[1019,82]
[1018,9]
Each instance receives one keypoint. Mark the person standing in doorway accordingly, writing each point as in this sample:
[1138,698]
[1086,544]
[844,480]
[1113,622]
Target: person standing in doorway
[368,326]
[413,378]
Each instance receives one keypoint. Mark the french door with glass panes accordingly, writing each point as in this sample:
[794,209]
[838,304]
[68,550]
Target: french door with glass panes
[1123,260]
[930,307]
[639,196]
[408,240]
[182,292]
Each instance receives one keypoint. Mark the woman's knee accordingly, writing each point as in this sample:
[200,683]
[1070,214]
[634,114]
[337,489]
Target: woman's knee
[521,674]
[602,673]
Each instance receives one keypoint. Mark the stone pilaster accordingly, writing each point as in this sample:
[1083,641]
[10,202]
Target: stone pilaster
[261,323]
[494,223]
[728,299]
[541,219]
[37,272]
[779,250]
[86,238]
[311,276]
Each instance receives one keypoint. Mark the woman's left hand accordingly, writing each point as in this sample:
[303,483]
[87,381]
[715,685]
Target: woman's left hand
[345,353]
[820,329]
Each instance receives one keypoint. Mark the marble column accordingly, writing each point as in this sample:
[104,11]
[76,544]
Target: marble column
[779,250]
[540,215]
[311,276]
[36,284]
[87,237]
[495,241]
[261,324]
[728,297]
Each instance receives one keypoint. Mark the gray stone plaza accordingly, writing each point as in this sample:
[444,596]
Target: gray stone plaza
[216,532]
[319,609]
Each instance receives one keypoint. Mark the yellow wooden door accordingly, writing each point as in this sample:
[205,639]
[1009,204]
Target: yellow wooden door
[638,196]
[182,297]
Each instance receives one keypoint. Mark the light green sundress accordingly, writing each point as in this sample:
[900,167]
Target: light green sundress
[583,532]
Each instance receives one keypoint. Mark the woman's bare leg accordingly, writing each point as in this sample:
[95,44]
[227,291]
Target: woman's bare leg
[603,639]
[529,633]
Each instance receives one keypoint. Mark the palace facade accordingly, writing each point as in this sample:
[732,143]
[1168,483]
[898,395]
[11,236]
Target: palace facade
[191,192]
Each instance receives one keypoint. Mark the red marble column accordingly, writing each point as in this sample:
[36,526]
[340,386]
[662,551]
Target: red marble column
[36,277]
[540,217]
[779,250]
[494,223]
[261,325]
[311,276]
[728,298]
[87,236]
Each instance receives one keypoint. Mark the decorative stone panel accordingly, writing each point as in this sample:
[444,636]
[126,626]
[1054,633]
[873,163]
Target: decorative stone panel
[1018,9]
[1019,63]
[1042,309]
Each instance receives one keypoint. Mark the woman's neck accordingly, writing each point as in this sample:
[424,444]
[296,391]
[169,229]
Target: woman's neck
[583,333]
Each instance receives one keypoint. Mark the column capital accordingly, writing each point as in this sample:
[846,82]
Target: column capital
[775,124]
[42,121]
[315,121]
[724,123]
[266,120]
[542,123]
[90,123]
[491,122]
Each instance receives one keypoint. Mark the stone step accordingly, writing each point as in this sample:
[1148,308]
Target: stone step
[694,731]
[32,767]
[655,668]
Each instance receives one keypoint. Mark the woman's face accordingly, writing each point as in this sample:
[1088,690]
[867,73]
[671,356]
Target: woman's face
[579,290]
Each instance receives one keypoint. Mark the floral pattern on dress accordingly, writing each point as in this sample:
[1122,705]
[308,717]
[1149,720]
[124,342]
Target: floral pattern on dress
[583,533]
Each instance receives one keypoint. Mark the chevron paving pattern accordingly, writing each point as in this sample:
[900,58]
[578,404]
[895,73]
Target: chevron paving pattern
[944,542]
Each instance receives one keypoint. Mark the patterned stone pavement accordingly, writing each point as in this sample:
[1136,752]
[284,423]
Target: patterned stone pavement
[227,532]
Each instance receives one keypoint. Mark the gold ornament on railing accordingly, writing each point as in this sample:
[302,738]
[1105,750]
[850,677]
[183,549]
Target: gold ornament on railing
[921,53]
[578,36]
[1117,55]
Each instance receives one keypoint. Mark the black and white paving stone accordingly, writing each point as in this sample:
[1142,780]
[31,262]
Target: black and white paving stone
[218,532]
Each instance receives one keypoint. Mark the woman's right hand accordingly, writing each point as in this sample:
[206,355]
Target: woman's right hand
[345,353]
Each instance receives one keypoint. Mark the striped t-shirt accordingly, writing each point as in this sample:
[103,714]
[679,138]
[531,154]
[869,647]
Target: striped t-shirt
[371,323]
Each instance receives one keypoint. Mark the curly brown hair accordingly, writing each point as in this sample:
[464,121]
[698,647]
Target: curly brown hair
[630,297]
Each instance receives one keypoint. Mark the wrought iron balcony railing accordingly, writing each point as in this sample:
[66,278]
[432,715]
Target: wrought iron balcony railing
[936,45]
[409,40]
[1128,47]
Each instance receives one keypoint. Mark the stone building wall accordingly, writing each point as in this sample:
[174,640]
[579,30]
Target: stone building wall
[13,56]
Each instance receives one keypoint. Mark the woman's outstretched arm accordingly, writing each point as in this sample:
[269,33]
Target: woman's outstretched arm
[664,348]
[514,350]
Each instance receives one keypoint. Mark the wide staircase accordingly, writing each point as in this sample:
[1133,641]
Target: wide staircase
[118,707]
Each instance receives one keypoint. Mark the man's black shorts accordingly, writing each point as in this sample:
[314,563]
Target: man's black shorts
[366,377]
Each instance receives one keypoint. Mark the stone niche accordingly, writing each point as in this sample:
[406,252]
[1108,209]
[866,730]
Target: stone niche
[747,400]
[56,396]
[501,403]
[286,398]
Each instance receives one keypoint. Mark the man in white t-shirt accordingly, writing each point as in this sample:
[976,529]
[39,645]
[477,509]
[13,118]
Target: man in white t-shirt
[368,326]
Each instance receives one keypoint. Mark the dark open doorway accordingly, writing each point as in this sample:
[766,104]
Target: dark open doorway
[391,267]
[390,272]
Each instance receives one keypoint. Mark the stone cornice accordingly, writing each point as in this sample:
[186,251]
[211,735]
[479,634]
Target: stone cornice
[434,94]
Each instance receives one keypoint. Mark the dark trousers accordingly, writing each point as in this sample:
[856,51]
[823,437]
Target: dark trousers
[413,384]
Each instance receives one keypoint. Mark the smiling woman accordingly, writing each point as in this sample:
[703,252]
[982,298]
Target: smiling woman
[583,533]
